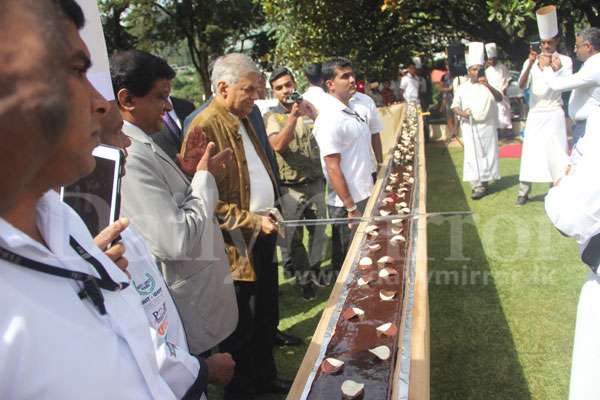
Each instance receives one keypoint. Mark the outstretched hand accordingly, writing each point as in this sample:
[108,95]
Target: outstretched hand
[196,155]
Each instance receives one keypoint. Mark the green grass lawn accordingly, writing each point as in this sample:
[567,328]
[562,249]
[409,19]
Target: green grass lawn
[503,293]
[503,289]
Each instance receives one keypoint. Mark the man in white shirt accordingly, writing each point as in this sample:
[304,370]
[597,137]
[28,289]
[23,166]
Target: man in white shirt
[315,93]
[544,154]
[498,76]
[573,206]
[475,104]
[410,84]
[53,278]
[344,140]
[584,103]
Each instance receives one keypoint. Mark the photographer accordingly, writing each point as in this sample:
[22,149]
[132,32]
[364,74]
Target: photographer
[289,126]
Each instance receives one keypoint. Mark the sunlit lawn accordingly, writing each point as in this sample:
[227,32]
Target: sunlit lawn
[503,293]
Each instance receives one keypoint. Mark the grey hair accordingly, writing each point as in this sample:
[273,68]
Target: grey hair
[592,36]
[230,68]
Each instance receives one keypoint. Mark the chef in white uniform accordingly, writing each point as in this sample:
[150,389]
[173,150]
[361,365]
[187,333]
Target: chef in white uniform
[544,154]
[584,103]
[475,103]
[573,206]
[498,76]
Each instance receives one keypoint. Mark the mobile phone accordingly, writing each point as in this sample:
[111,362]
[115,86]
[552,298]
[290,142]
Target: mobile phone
[481,72]
[97,197]
[535,46]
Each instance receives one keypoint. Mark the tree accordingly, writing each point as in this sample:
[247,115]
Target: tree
[207,27]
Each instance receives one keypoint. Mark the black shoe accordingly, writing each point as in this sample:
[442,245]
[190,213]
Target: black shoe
[308,291]
[277,385]
[478,193]
[283,339]
[521,200]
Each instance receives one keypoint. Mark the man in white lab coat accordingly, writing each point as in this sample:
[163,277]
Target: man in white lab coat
[545,143]
[475,105]
[573,206]
[584,103]
[498,76]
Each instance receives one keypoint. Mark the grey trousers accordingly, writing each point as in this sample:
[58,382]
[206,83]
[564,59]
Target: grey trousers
[303,201]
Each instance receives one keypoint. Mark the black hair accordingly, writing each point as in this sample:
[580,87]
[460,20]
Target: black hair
[313,73]
[278,73]
[411,63]
[137,71]
[72,11]
[328,70]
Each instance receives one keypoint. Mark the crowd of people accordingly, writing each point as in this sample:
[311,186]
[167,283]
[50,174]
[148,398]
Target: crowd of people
[182,290]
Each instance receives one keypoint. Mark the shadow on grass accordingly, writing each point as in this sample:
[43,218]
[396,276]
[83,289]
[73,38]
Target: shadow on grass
[504,182]
[473,354]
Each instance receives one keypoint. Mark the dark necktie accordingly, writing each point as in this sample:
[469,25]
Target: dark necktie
[172,126]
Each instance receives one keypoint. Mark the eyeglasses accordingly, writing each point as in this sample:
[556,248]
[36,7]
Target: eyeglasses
[577,46]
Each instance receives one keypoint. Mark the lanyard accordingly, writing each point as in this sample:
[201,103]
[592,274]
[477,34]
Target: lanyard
[91,284]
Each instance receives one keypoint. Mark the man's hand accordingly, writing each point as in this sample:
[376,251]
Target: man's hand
[532,56]
[267,226]
[483,80]
[308,109]
[195,147]
[354,214]
[220,368]
[556,64]
[117,252]
[214,164]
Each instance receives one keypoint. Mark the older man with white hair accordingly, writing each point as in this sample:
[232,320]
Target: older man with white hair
[247,194]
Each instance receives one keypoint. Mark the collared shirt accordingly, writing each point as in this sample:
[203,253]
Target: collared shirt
[344,131]
[299,161]
[318,98]
[542,96]
[585,84]
[410,86]
[262,195]
[55,344]
[365,106]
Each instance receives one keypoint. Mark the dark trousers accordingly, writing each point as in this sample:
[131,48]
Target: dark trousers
[251,344]
[341,235]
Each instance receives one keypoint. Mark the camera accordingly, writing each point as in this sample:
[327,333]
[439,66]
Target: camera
[535,46]
[481,72]
[294,98]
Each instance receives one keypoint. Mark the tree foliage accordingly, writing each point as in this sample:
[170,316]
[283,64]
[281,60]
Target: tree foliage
[376,35]
[208,28]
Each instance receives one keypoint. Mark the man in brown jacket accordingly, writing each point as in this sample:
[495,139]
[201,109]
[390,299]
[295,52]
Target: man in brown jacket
[247,190]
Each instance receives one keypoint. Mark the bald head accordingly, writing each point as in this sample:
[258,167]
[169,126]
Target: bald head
[33,89]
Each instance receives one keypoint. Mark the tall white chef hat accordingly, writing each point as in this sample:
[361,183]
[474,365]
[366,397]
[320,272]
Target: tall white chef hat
[417,61]
[476,55]
[491,50]
[93,36]
[547,22]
